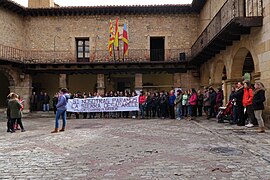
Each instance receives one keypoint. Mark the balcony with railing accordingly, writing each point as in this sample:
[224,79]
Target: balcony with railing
[235,18]
[99,61]
[98,56]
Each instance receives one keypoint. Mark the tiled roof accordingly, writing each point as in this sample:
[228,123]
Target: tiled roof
[103,10]
[12,6]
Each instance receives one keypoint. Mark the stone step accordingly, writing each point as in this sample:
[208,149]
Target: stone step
[39,114]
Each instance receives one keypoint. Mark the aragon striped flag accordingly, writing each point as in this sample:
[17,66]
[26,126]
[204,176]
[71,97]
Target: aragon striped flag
[125,39]
[116,35]
[111,39]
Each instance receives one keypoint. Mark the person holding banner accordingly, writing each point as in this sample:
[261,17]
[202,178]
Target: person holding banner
[134,114]
[126,113]
[61,110]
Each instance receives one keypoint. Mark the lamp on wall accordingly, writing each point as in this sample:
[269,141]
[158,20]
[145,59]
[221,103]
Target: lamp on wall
[109,78]
[22,76]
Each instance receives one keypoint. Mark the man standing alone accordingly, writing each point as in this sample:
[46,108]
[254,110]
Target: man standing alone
[61,110]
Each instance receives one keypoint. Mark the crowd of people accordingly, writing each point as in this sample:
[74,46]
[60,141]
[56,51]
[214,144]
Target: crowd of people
[247,105]
[41,102]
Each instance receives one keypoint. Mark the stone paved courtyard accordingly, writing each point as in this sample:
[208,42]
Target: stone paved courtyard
[133,149]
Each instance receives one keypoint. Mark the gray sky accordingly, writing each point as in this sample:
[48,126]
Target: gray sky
[111,2]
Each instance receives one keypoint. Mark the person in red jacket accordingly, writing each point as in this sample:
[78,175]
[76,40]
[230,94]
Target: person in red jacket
[247,103]
[193,103]
[142,100]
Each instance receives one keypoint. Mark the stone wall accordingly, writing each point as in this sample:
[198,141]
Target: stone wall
[11,29]
[190,80]
[60,33]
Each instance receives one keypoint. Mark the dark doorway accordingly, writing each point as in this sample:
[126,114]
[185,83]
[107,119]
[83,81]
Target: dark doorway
[4,90]
[37,87]
[248,64]
[124,85]
[248,67]
[121,86]
[157,48]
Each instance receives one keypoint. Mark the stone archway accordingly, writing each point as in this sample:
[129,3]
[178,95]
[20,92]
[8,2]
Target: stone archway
[9,74]
[205,74]
[243,61]
[18,82]
[219,73]
[4,90]
[7,80]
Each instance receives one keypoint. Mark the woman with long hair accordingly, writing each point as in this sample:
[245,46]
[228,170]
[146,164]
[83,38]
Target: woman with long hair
[258,106]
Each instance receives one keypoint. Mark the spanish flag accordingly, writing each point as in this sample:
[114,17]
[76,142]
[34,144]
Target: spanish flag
[125,39]
[116,37]
[111,39]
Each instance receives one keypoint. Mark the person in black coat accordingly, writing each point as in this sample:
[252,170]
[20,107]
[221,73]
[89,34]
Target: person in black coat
[40,100]
[212,97]
[200,102]
[258,106]
[163,104]
[46,102]
[239,98]
[232,98]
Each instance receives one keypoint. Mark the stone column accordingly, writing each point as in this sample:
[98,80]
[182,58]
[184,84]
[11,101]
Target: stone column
[24,90]
[63,81]
[100,84]
[138,82]
[176,80]
[256,76]
[225,92]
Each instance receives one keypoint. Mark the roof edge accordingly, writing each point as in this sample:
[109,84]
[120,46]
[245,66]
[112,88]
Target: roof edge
[195,7]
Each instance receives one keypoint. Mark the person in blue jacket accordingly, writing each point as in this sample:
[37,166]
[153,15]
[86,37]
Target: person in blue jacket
[61,110]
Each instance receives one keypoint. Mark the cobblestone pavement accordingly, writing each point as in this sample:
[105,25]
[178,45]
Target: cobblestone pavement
[133,149]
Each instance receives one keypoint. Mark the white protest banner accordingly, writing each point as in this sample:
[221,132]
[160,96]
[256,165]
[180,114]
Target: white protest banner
[106,104]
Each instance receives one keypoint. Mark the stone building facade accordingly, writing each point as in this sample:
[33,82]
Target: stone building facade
[39,46]
[49,35]
[248,54]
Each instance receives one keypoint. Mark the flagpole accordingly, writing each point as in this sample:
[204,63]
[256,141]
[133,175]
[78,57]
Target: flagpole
[113,52]
[123,53]
[125,41]
[119,58]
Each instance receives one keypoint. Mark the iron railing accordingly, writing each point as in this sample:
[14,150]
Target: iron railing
[230,10]
[134,55]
